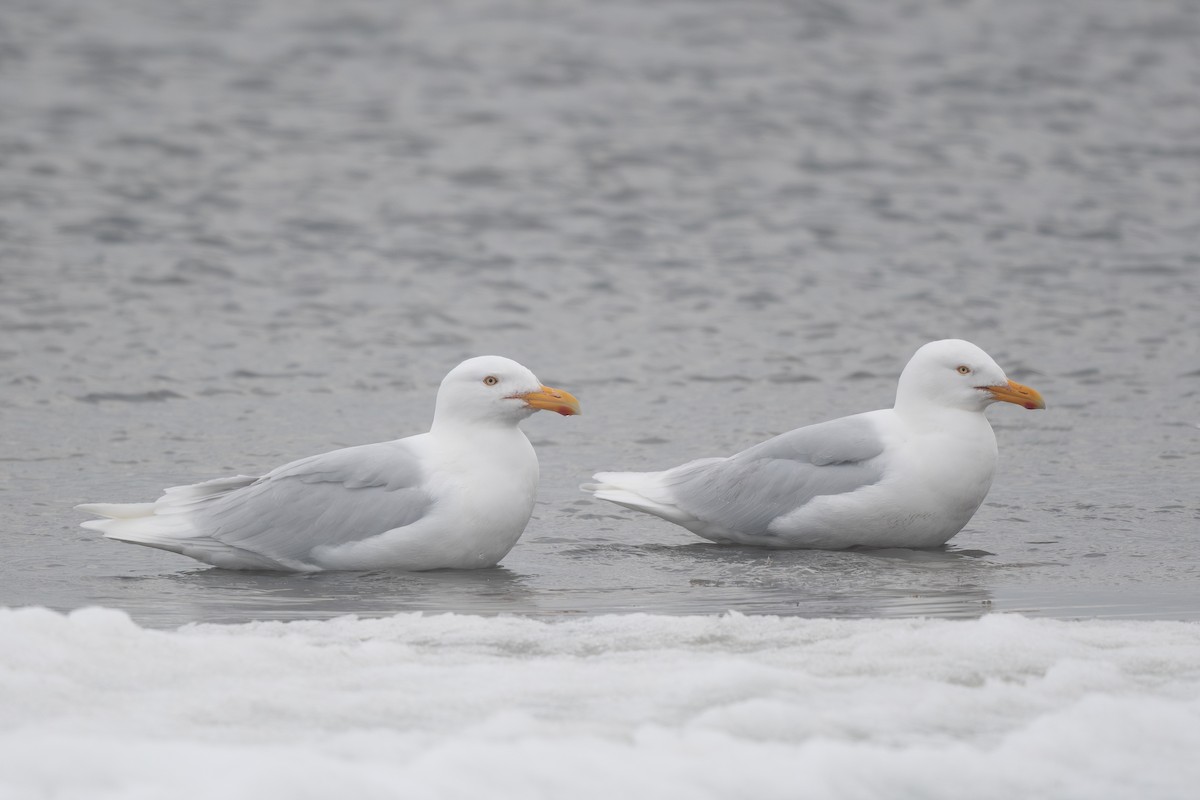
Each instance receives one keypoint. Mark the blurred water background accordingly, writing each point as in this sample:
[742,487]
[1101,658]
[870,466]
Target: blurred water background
[237,232]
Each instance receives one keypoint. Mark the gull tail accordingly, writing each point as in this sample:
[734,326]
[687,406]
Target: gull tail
[640,491]
[167,524]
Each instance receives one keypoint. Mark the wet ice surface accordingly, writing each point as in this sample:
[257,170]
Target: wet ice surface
[233,234]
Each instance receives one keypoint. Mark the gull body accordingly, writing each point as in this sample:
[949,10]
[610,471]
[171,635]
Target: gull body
[456,497]
[907,476]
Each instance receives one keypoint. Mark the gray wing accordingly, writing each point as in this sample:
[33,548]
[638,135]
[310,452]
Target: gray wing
[330,499]
[746,492]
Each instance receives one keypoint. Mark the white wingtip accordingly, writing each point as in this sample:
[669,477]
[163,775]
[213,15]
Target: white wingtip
[639,491]
[167,525]
[116,510]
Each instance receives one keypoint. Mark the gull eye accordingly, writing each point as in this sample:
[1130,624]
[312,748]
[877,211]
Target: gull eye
[490,380]
[963,369]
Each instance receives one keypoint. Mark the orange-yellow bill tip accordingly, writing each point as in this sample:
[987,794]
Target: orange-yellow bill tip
[1018,393]
[551,399]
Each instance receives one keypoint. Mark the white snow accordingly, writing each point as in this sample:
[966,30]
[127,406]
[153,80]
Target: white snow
[94,706]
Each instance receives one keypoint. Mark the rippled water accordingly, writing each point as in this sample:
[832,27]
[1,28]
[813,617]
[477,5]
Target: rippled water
[236,233]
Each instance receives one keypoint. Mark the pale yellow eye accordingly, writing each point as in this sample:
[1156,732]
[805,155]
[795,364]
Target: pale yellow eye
[490,380]
[964,370]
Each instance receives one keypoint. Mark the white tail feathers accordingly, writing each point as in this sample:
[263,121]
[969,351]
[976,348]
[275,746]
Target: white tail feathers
[640,491]
[149,529]
[164,523]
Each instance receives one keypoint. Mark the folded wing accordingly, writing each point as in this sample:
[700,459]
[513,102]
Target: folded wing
[745,493]
[281,519]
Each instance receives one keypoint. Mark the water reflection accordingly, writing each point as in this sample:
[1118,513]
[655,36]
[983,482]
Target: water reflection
[693,578]
[210,594]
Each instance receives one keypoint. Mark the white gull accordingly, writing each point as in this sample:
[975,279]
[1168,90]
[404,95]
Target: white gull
[458,496]
[907,476]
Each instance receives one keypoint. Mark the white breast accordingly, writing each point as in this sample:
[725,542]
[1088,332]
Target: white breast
[938,478]
[485,487]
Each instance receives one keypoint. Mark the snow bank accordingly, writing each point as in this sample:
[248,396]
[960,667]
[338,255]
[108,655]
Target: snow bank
[93,706]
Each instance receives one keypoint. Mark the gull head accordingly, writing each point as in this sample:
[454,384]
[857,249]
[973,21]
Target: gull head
[951,373]
[497,390]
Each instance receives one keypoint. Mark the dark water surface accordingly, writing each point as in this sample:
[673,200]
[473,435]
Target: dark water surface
[236,233]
